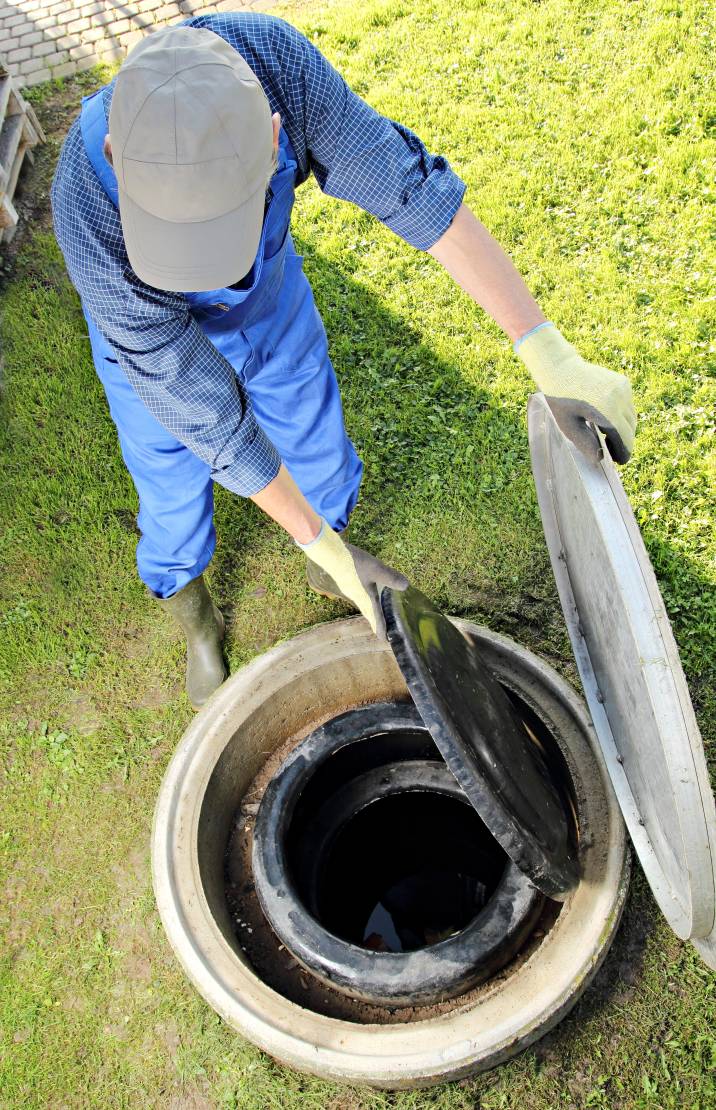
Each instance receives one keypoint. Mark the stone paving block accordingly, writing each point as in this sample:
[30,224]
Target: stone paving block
[103,19]
[86,63]
[165,12]
[55,32]
[31,39]
[19,55]
[46,23]
[112,54]
[83,50]
[38,75]
[131,39]
[142,19]
[108,43]
[78,26]
[65,70]
[15,21]
[43,48]
[28,66]
[56,59]
[120,26]
[68,16]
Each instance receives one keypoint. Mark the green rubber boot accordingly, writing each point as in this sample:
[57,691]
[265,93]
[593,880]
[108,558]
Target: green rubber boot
[321,582]
[204,628]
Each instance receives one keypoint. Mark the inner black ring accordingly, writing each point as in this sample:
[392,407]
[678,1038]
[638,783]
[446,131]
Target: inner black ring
[313,866]
[397,859]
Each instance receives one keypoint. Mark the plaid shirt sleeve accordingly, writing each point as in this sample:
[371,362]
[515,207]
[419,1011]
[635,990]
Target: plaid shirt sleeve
[380,165]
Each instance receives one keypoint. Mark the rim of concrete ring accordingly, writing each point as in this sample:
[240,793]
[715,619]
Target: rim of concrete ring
[512,1015]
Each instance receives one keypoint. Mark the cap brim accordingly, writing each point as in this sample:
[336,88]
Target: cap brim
[192,257]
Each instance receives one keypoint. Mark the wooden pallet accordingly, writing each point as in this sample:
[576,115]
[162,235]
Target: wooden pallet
[19,133]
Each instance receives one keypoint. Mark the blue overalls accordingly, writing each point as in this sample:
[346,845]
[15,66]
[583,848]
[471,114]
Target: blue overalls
[272,335]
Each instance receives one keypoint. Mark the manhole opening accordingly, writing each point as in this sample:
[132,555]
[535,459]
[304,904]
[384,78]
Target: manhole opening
[264,950]
[399,872]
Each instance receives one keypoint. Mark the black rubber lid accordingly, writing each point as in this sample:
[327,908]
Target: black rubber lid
[483,741]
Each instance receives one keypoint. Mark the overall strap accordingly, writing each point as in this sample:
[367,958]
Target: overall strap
[93,124]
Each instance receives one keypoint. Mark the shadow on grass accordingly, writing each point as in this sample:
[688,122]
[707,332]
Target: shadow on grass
[436,449]
[439,451]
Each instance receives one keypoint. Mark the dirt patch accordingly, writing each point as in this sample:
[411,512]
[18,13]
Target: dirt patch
[168,1033]
[81,714]
[158,697]
[190,1099]
[277,967]
[133,641]
[132,874]
[347,1101]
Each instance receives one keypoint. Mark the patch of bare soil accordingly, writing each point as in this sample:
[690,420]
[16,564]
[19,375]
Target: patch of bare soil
[81,714]
[190,1098]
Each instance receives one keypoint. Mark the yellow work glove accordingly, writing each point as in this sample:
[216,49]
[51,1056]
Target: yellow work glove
[357,576]
[578,391]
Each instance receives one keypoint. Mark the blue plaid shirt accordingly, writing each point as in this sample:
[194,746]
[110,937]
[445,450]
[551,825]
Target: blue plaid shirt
[355,154]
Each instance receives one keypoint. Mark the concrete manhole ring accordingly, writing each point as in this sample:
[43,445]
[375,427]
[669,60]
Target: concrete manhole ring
[284,695]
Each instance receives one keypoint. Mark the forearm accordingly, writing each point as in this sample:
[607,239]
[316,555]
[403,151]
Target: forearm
[283,501]
[479,265]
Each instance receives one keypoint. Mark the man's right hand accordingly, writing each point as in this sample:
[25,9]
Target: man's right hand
[359,576]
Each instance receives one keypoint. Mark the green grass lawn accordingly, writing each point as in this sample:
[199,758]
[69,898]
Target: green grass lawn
[586,133]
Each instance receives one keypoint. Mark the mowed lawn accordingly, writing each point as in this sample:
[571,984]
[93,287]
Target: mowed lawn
[586,133]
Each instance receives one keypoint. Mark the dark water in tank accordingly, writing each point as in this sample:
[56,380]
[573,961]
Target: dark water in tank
[408,871]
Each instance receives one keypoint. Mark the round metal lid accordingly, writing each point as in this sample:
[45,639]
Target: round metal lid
[493,756]
[631,673]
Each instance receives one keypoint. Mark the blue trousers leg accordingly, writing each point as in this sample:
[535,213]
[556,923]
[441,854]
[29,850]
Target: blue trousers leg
[174,487]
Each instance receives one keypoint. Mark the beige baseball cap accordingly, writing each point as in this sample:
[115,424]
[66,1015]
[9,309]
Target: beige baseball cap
[192,148]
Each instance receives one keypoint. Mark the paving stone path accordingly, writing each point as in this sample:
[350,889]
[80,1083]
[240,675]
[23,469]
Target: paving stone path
[40,39]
